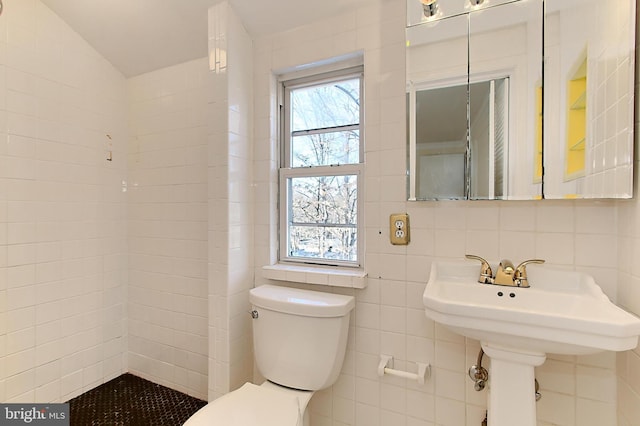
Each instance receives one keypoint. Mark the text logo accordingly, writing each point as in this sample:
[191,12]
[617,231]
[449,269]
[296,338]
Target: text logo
[34,414]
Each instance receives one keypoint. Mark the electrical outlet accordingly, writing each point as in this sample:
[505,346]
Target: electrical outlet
[399,229]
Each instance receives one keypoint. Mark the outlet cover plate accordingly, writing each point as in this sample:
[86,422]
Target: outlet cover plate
[399,229]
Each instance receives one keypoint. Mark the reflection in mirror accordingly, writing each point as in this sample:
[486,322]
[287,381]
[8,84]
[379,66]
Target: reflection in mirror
[441,142]
[506,41]
[588,98]
[488,133]
[437,64]
[487,74]
[442,170]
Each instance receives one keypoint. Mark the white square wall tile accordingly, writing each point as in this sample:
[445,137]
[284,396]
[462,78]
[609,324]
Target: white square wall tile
[393,398]
[555,219]
[367,315]
[394,344]
[557,376]
[421,406]
[598,250]
[596,384]
[556,408]
[450,356]
[367,392]
[557,248]
[450,216]
[595,413]
[450,243]
[393,318]
[450,384]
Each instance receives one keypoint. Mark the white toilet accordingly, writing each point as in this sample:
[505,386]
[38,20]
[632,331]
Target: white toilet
[299,339]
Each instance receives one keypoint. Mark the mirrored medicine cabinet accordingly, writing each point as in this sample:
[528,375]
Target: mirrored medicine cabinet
[489,119]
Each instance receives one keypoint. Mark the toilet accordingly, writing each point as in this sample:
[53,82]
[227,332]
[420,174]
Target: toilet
[299,343]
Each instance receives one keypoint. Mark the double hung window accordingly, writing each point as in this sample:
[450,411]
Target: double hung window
[321,169]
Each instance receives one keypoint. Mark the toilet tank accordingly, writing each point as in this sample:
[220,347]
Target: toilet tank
[300,336]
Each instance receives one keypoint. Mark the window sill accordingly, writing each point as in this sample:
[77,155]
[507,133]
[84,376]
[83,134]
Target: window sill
[335,277]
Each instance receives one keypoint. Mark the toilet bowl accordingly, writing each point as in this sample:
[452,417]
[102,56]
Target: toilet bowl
[265,405]
[300,339]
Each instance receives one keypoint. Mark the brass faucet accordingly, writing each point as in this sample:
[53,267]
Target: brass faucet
[506,274]
[486,275]
[520,275]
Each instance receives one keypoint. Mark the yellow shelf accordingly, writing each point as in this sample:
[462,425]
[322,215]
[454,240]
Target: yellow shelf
[576,123]
[581,102]
[578,146]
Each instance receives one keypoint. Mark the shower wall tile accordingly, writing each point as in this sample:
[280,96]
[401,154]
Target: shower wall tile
[230,198]
[62,210]
[167,227]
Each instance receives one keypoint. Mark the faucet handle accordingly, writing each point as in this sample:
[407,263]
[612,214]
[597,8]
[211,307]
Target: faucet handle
[486,274]
[520,276]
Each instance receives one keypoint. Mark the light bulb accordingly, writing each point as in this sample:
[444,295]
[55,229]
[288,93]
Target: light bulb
[429,7]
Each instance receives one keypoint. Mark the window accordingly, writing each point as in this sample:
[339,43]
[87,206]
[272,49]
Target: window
[321,173]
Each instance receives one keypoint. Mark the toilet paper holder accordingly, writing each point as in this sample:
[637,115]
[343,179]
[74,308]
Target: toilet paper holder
[386,367]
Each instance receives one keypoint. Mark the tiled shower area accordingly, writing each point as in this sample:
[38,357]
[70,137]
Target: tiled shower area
[129,400]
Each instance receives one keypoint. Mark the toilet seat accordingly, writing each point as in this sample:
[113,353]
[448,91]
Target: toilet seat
[252,405]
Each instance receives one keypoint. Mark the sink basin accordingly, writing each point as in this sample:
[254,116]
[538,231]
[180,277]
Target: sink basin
[563,312]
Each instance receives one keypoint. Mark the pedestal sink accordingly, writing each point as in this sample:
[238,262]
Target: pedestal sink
[563,312]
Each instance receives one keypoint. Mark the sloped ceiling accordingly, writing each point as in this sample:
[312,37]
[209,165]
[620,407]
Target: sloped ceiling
[138,36]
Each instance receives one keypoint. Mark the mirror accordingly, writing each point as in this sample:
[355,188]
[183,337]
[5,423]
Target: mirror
[588,98]
[471,85]
[475,99]
[437,99]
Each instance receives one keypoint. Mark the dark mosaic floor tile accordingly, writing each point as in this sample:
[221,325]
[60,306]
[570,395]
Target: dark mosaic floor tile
[129,400]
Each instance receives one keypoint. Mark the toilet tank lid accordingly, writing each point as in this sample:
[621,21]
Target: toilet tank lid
[301,302]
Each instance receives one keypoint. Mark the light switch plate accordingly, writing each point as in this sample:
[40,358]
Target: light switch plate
[399,229]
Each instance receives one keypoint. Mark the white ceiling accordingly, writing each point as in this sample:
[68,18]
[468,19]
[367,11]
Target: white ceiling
[139,36]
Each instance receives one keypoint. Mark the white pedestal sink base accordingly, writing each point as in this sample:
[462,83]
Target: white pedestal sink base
[512,398]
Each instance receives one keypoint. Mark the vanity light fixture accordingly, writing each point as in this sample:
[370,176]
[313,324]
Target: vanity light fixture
[476,4]
[429,8]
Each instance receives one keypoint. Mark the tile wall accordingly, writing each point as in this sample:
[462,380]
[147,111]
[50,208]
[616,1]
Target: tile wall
[63,233]
[628,363]
[389,317]
[167,227]
[609,108]
[231,191]
[613,74]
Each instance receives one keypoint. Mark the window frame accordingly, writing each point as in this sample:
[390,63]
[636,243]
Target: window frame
[286,172]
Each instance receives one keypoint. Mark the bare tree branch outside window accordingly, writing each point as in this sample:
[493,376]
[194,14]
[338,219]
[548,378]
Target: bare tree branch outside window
[325,131]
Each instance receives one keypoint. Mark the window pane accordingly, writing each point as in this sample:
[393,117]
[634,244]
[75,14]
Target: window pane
[322,140]
[324,149]
[324,200]
[327,105]
[323,242]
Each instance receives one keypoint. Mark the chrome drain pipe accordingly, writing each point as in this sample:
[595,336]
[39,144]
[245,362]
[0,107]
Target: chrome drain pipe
[478,373]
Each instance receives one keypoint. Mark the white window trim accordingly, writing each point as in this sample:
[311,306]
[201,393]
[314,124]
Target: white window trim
[318,275]
[322,271]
